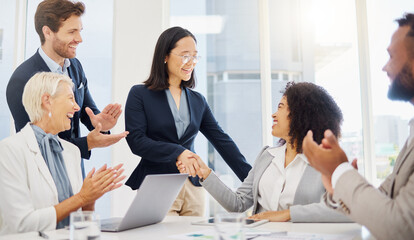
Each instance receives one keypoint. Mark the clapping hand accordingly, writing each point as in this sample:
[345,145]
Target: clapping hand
[99,182]
[325,157]
[96,139]
[108,117]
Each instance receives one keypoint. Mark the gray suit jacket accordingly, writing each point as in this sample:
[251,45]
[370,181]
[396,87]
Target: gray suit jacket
[307,202]
[388,212]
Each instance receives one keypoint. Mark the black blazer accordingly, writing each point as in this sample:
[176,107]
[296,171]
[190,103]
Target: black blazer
[83,98]
[153,135]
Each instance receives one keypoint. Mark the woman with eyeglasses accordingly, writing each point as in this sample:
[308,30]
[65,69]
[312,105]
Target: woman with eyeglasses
[164,115]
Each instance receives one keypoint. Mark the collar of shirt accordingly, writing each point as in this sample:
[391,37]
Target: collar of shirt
[279,152]
[277,186]
[53,66]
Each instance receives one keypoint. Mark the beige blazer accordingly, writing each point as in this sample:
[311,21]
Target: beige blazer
[28,192]
[388,212]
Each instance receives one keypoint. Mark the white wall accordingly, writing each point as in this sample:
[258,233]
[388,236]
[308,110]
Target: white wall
[136,30]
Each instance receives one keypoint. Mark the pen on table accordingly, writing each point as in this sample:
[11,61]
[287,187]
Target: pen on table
[43,235]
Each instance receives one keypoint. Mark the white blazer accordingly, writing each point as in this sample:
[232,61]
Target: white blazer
[28,192]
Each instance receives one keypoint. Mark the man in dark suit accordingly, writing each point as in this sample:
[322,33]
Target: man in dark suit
[58,23]
[388,212]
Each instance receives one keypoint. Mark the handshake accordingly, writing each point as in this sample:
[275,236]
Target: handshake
[191,163]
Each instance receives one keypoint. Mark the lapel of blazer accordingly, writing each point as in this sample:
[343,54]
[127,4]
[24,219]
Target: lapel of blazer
[40,63]
[33,146]
[165,106]
[75,82]
[405,151]
[190,111]
[265,159]
[308,186]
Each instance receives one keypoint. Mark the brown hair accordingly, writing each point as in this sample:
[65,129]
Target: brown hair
[52,13]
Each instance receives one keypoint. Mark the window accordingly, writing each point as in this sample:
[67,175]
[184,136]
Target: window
[329,57]
[229,73]
[390,117]
[7,46]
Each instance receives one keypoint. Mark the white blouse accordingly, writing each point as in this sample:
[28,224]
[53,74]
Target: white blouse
[277,186]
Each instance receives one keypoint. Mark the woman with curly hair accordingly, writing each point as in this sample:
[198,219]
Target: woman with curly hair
[282,186]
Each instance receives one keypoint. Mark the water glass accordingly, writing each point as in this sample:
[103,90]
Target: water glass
[229,226]
[85,225]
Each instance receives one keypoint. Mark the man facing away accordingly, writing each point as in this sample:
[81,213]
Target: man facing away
[58,24]
[388,212]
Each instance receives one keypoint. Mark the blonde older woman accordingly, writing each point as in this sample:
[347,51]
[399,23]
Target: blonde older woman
[40,174]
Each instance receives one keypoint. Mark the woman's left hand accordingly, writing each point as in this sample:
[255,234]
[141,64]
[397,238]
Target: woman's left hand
[273,216]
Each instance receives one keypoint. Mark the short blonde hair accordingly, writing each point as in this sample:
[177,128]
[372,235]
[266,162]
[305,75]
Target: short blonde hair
[39,84]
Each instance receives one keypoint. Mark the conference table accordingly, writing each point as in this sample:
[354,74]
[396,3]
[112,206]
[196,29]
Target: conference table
[172,226]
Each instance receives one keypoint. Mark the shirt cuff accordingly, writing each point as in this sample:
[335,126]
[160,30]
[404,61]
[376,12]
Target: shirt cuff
[341,169]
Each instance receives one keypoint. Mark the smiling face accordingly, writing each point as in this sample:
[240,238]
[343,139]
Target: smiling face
[63,43]
[177,70]
[281,121]
[62,108]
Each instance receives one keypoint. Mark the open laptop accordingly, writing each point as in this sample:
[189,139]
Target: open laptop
[152,202]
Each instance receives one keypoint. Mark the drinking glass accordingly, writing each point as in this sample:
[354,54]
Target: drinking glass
[229,226]
[85,225]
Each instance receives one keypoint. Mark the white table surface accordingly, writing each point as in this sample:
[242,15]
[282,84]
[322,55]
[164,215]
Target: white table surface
[181,225]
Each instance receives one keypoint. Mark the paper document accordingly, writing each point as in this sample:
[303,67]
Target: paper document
[264,235]
[210,234]
[303,236]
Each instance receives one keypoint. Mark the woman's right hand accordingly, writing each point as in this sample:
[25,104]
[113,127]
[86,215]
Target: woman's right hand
[187,163]
[203,169]
[100,182]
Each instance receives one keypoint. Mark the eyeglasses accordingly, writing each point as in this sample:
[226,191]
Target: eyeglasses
[186,58]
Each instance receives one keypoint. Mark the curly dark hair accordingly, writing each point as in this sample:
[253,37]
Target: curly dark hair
[311,108]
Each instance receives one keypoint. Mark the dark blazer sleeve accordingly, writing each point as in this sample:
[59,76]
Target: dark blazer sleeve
[223,143]
[136,122]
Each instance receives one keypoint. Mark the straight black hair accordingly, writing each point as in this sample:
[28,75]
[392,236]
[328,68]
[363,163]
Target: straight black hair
[158,79]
